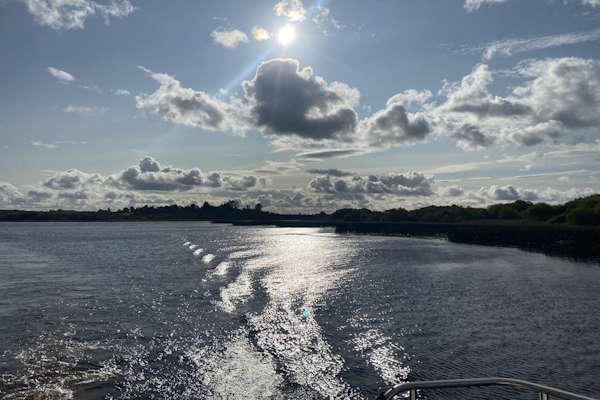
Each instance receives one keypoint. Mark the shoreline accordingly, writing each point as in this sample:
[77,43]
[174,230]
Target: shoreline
[573,242]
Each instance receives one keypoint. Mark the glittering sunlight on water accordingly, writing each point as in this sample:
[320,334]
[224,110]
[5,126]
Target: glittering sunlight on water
[196,310]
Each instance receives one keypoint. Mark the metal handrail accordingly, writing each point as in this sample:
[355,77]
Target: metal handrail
[544,391]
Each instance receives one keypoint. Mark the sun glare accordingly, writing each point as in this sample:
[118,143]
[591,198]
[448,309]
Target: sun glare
[287,34]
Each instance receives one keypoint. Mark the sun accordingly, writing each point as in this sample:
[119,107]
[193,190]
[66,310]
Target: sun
[286,35]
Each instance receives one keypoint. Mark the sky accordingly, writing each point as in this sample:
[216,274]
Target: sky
[302,106]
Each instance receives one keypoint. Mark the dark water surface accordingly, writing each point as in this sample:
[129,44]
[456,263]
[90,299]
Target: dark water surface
[189,310]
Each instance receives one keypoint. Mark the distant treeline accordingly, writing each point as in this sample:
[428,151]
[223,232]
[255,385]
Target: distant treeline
[583,211]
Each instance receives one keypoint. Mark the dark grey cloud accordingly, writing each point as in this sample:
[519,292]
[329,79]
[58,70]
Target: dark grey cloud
[241,184]
[149,175]
[70,179]
[289,101]
[394,125]
[509,193]
[74,196]
[452,191]
[471,137]
[401,185]
[487,108]
[37,196]
[331,172]
[320,154]
[540,133]
[148,164]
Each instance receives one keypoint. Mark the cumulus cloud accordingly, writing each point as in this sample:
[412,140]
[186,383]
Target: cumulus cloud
[72,14]
[566,90]
[62,76]
[229,39]
[149,175]
[38,196]
[187,106]
[148,182]
[260,33]
[71,179]
[451,191]
[287,100]
[472,96]
[394,125]
[10,195]
[380,186]
[509,193]
[243,183]
[555,100]
[558,97]
[471,137]
[292,9]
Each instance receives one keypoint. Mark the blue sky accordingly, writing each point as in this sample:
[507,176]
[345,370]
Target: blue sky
[379,104]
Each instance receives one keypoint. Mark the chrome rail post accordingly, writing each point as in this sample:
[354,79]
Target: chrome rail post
[543,396]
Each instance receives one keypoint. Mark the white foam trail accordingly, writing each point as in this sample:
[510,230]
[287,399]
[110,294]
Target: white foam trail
[237,292]
[52,392]
[193,246]
[197,252]
[383,356]
[186,244]
[208,258]
[222,268]
[237,372]
[296,270]
[245,254]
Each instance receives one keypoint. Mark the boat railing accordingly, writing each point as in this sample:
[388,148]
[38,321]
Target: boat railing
[545,392]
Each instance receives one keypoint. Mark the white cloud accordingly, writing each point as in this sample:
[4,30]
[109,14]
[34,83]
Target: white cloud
[72,14]
[62,76]
[38,143]
[409,97]
[260,33]
[593,3]
[321,15]
[558,100]
[292,9]
[122,92]
[190,107]
[324,21]
[229,39]
[515,46]
[473,5]
[79,109]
